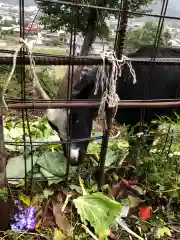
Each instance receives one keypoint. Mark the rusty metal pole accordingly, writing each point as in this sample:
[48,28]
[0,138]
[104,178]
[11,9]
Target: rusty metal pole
[4,196]
[119,45]
[2,148]
[121,31]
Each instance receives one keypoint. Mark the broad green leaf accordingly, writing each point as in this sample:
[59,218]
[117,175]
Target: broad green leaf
[53,162]
[52,179]
[16,167]
[53,166]
[162,231]
[111,157]
[15,133]
[7,138]
[98,209]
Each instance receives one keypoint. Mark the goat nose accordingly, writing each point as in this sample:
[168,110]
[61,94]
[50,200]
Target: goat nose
[74,153]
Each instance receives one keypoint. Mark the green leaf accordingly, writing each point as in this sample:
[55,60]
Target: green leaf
[76,188]
[111,157]
[15,133]
[53,162]
[7,138]
[53,165]
[52,179]
[162,231]
[98,209]
[16,167]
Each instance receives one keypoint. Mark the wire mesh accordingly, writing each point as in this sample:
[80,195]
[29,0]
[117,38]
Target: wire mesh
[71,61]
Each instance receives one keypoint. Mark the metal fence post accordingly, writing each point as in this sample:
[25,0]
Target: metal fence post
[4,196]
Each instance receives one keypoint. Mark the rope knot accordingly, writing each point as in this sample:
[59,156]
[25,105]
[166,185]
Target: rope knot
[107,77]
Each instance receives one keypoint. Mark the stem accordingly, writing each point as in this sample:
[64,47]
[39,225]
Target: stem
[89,232]
[66,202]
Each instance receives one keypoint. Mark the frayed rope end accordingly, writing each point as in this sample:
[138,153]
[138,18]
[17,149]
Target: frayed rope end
[106,79]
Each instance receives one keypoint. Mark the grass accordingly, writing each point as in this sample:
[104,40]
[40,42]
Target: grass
[50,51]
[51,77]
[59,72]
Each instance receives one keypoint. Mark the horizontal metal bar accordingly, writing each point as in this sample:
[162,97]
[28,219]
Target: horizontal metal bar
[38,143]
[52,60]
[83,100]
[107,9]
[84,58]
[92,104]
[80,60]
[156,60]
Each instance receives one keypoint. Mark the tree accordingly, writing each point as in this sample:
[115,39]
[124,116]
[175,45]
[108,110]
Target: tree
[88,21]
[145,35]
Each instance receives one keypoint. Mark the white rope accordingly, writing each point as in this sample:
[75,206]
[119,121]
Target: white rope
[106,79]
[28,47]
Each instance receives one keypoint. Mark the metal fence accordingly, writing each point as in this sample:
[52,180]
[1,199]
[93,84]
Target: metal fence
[71,60]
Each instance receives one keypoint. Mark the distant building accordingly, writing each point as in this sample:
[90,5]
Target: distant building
[6,18]
[32,28]
[173,43]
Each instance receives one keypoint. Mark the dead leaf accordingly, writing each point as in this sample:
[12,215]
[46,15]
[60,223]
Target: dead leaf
[138,189]
[38,224]
[60,218]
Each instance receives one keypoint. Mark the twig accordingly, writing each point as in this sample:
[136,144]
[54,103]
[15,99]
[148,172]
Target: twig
[45,210]
[26,233]
[116,136]
[66,202]
[169,203]
[89,232]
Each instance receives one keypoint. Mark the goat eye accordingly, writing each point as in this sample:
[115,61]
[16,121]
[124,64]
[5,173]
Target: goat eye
[74,118]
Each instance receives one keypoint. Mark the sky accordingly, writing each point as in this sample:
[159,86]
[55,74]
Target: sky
[173,6]
[16,2]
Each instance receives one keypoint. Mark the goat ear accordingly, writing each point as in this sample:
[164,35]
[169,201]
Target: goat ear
[63,86]
[58,118]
